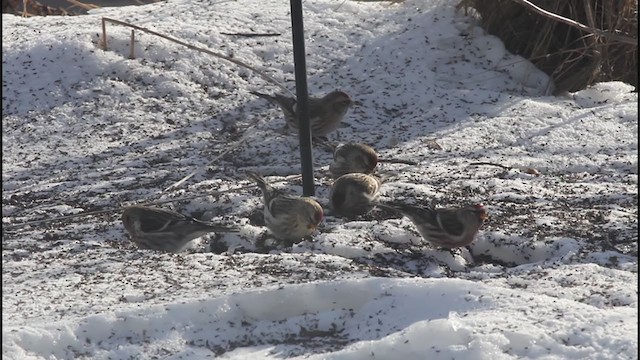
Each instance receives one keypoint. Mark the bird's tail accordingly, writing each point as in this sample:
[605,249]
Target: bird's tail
[385,176]
[224,228]
[259,180]
[389,206]
[211,226]
[264,96]
[325,144]
[267,190]
[397,161]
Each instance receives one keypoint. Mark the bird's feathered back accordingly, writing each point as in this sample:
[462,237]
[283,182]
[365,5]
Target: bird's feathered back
[353,158]
[289,217]
[445,227]
[325,114]
[427,213]
[354,194]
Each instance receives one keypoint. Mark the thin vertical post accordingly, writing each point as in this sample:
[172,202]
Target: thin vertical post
[302,103]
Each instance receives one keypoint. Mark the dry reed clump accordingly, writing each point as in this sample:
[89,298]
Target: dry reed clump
[574,58]
[31,8]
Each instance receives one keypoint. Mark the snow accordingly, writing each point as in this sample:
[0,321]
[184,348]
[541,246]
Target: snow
[552,275]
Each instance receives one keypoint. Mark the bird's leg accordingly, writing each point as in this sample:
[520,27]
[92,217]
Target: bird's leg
[415,252]
[454,252]
[261,243]
[323,141]
[471,261]
[216,246]
[287,244]
[284,130]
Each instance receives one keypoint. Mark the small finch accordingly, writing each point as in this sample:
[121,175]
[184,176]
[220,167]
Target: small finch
[165,230]
[354,194]
[325,114]
[353,158]
[289,218]
[446,227]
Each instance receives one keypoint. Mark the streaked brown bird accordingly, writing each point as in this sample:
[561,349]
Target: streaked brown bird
[353,158]
[325,113]
[290,218]
[447,228]
[165,230]
[354,194]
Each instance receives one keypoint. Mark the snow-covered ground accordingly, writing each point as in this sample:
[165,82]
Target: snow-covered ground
[552,275]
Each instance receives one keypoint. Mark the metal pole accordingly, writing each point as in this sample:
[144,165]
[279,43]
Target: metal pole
[302,103]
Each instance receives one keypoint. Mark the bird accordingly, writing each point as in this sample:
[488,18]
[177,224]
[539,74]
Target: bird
[357,157]
[290,218]
[447,228]
[354,194]
[353,158]
[325,113]
[165,230]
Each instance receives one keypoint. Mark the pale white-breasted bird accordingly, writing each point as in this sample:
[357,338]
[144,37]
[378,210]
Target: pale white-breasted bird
[353,158]
[290,218]
[447,228]
[354,194]
[325,113]
[165,230]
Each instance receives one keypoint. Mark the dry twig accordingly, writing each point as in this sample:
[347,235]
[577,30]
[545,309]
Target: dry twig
[192,47]
[251,34]
[122,207]
[528,170]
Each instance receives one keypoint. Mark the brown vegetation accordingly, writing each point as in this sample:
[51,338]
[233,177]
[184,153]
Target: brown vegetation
[31,8]
[574,57]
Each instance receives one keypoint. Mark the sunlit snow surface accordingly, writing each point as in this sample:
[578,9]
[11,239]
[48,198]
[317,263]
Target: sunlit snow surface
[552,275]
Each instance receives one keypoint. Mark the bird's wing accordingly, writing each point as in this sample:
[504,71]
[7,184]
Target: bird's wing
[158,220]
[316,110]
[423,212]
[338,196]
[280,204]
[152,219]
[418,214]
[287,104]
[449,222]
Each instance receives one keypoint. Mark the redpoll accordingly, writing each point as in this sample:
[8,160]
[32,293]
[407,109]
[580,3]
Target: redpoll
[447,227]
[290,218]
[353,158]
[353,194]
[165,230]
[325,114]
